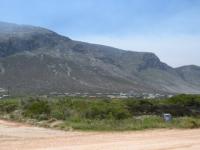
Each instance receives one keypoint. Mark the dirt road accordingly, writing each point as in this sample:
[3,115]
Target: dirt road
[15,136]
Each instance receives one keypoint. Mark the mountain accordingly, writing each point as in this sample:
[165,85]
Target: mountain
[34,60]
[190,74]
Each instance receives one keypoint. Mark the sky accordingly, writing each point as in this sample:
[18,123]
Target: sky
[169,28]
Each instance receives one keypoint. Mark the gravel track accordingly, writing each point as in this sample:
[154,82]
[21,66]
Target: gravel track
[17,136]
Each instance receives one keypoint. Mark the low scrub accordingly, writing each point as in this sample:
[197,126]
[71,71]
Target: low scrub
[106,114]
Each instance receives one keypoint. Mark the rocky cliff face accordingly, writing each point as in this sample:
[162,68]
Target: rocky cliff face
[36,60]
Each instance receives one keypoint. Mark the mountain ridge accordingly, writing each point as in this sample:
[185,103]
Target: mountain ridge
[38,60]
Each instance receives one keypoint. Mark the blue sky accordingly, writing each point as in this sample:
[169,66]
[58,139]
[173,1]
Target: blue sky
[169,28]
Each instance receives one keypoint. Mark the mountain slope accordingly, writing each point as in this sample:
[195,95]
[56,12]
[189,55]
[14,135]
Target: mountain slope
[37,60]
[190,74]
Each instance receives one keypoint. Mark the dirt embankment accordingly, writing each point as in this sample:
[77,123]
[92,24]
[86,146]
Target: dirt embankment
[16,136]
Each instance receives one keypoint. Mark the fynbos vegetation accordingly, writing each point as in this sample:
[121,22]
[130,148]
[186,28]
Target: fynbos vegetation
[104,114]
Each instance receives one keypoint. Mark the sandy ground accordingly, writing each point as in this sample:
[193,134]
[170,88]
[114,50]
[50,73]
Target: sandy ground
[16,136]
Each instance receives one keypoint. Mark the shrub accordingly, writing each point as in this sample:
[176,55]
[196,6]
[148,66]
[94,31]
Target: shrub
[107,110]
[61,109]
[141,107]
[36,108]
[8,106]
[185,100]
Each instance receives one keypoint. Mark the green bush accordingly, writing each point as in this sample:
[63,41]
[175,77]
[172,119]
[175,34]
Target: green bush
[107,114]
[185,100]
[37,109]
[8,106]
[61,109]
[107,110]
[141,107]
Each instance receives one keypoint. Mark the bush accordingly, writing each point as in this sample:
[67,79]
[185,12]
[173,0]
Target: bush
[107,110]
[8,106]
[185,100]
[61,109]
[107,114]
[141,107]
[36,108]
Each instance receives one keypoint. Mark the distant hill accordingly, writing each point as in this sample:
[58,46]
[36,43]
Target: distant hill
[36,60]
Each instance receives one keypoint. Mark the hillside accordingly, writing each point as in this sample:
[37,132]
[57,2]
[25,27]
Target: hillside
[36,60]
